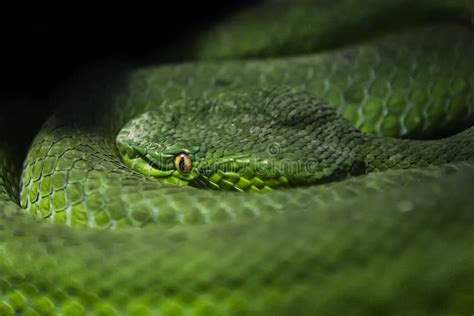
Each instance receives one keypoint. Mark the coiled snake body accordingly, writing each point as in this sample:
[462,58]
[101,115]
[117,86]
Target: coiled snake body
[365,147]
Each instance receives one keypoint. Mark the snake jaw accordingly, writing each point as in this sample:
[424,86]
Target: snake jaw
[243,173]
[233,176]
[165,176]
[138,158]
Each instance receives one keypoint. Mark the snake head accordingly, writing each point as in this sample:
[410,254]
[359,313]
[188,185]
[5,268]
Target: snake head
[241,142]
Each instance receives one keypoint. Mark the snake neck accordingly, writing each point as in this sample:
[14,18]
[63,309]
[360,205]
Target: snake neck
[381,153]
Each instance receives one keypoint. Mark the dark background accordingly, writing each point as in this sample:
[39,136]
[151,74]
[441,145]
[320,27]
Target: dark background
[39,50]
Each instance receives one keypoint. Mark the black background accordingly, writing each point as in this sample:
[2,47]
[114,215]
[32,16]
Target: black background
[39,50]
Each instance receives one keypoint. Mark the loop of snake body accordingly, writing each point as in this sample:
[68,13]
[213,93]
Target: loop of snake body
[323,165]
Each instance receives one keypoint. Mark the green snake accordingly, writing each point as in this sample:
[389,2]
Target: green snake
[301,158]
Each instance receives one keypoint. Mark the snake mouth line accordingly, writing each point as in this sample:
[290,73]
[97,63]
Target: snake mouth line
[230,176]
[242,180]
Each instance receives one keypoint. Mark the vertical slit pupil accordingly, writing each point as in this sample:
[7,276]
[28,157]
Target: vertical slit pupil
[182,166]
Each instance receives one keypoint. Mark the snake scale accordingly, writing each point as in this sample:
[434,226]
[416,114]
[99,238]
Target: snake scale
[304,158]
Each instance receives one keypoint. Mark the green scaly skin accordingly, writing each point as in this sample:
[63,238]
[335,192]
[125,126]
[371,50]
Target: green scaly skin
[356,221]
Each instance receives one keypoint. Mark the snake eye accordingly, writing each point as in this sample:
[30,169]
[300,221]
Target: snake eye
[183,164]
